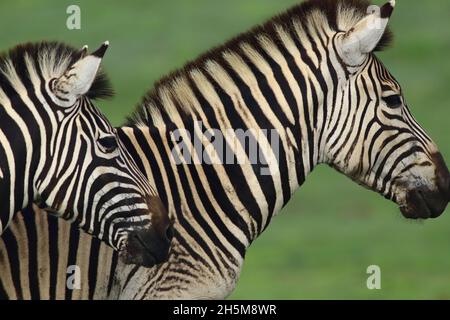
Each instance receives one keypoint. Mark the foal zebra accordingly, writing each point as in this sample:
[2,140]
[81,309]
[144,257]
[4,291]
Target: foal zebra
[58,150]
[311,74]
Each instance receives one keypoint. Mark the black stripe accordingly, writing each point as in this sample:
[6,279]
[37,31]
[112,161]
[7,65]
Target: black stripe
[93,266]
[54,245]
[167,163]
[214,180]
[289,95]
[235,171]
[269,96]
[13,254]
[32,243]
[74,237]
[304,109]
[265,181]
[112,273]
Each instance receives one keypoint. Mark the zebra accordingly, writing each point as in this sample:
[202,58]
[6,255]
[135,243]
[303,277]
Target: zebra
[58,150]
[313,74]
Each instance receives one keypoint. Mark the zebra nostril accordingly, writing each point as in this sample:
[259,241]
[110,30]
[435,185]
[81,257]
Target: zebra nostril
[169,233]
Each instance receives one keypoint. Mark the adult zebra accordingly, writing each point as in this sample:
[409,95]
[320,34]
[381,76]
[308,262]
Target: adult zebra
[310,74]
[58,150]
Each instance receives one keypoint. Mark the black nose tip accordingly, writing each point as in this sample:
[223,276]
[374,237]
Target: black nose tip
[442,175]
[146,247]
[444,185]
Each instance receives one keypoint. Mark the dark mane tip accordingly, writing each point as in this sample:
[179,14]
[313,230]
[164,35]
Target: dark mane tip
[300,12]
[101,87]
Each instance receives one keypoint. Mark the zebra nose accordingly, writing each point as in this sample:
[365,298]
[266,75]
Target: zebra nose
[147,247]
[443,182]
[442,175]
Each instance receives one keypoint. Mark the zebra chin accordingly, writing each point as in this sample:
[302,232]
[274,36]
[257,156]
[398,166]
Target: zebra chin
[146,247]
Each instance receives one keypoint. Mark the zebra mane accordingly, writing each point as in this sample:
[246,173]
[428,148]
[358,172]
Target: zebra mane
[50,60]
[337,15]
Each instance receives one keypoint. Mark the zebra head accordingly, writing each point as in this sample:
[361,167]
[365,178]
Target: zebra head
[375,139]
[79,169]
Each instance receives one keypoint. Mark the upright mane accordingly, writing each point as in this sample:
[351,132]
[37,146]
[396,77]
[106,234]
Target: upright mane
[50,60]
[334,15]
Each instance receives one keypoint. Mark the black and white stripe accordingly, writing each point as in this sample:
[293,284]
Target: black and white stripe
[329,102]
[58,150]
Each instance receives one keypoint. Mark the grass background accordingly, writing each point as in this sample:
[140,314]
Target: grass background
[332,230]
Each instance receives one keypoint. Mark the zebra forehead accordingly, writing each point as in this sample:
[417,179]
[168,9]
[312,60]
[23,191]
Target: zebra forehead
[50,59]
[326,15]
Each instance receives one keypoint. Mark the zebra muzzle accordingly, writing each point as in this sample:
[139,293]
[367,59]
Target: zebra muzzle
[147,247]
[424,204]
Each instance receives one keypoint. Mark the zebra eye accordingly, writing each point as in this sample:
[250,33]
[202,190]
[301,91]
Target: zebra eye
[393,101]
[109,144]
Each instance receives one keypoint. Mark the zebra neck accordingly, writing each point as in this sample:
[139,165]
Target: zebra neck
[234,195]
[24,138]
[16,164]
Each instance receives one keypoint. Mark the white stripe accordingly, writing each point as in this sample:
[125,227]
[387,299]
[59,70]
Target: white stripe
[249,79]
[25,133]
[211,96]
[12,172]
[230,88]
[35,80]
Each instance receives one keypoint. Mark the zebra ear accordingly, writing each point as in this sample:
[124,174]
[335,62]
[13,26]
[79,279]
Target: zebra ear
[78,78]
[83,51]
[363,38]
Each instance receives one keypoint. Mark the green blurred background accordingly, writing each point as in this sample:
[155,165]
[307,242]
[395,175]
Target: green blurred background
[321,244]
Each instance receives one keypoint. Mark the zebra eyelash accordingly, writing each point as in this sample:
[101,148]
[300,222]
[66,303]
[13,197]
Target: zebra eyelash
[393,101]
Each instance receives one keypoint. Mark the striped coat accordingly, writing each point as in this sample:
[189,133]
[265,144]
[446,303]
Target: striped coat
[312,76]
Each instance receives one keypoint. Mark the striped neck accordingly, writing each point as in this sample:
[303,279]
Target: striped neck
[255,84]
[266,86]
[243,194]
